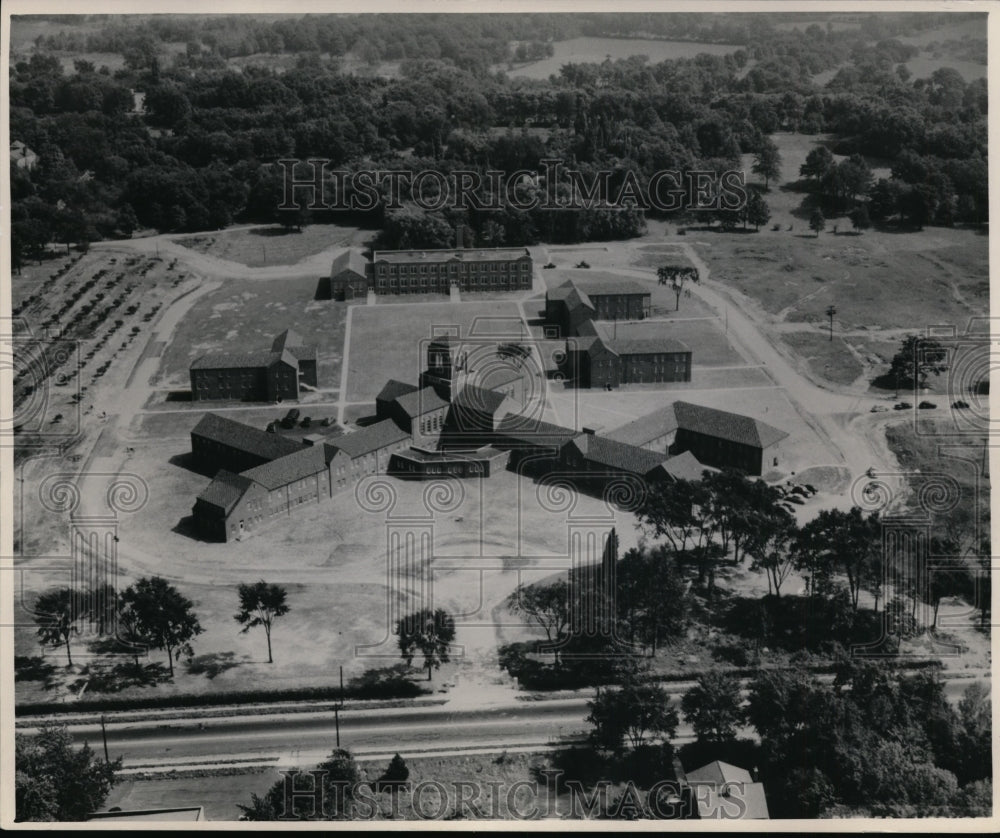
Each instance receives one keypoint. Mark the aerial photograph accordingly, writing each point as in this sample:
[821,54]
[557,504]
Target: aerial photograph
[519,416]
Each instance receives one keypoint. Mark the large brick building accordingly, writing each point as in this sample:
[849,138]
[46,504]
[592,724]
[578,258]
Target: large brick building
[597,361]
[595,295]
[727,440]
[431,271]
[715,437]
[268,376]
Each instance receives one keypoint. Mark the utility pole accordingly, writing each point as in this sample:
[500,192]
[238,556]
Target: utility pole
[339,706]
[104,736]
[830,311]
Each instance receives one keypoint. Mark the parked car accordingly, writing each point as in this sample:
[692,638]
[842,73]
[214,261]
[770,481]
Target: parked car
[549,265]
[305,423]
[927,405]
[903,406]
[796,500]
[327,421]
[800,490]
[879,408]
[960,405]
[583,264]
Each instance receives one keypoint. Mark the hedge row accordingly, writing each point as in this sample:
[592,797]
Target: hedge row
[385,689]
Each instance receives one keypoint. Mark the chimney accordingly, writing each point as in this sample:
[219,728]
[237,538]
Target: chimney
[592,430]
[459,236]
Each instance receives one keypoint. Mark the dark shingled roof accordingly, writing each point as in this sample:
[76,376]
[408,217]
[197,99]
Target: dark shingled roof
[685,467]
[351,260]
[646,428]
[289,340]
[288,469]
[602,283]
[644,346]
[234,360]
[244,437]
[393,389]
[225,490]
[371,438]
[722,424]
[522,432]
[479,400]
[419,402]
[617,455]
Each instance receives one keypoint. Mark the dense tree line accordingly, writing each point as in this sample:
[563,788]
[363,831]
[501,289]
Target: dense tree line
[205,150]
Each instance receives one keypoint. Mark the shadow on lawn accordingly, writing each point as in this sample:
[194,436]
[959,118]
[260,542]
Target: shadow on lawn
[126,675]
[213,664]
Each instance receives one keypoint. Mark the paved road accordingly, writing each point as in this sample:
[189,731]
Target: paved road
[306,738]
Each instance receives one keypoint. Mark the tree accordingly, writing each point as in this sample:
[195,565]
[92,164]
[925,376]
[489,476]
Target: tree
[757,211]
[713,707]
[676,277]
[428,632]
[819,161]
[260,604]
[651,596]
[163,615]
[631,712]
[57,781]
[846,540]
[769,543]
[547,605]
[58,614]
[817,223]
[394,776]
[339,779]
[767,161]
[917,358]
[860,219]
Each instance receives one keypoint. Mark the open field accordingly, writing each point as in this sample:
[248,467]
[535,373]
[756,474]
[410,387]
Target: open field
[244,315]
[596,50]
[831,360]
[389,341]
[260,246]
[332,560]
[878,280]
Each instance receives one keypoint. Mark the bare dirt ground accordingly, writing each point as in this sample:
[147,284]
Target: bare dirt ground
[505,530]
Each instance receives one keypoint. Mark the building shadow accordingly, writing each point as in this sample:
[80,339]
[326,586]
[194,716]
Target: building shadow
[187,462]
[179,396]
[187,527]
[324,289]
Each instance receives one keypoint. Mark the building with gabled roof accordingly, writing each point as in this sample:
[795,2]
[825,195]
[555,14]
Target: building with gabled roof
[608,363]
[349,275]
[655,431]
[592,455]
[218,442]
[255,376]
[726,792]
[595,295]
[723,439]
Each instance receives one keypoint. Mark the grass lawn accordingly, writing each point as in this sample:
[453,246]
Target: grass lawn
[831,360]
[257,247]
[391,341]
[245,316]
[879,280]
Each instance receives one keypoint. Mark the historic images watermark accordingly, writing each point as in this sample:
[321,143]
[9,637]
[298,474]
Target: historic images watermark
[308,795]
[310,184]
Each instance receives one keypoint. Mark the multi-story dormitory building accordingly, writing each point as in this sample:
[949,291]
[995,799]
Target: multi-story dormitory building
[269,376]
[431,271]
[598,360]
[262,477]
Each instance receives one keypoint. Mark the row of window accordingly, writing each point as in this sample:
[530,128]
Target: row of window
[454,268]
